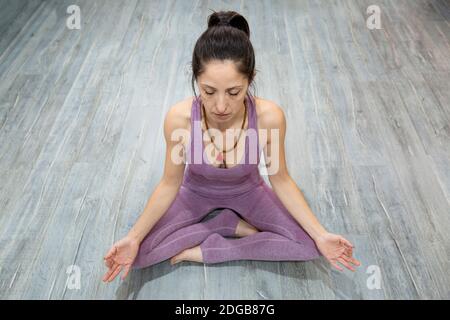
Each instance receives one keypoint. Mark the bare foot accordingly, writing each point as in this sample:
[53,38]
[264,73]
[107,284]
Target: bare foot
[244,229]
[192,254]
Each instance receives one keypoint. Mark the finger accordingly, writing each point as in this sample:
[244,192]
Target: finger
[115,273]
[108,273]
[347,243]
[346,258]
[355,261]
[126,270]
[348,252]
[349,258]
[336,265]
[111,252]
[109,262]
[345,263]
[111,272]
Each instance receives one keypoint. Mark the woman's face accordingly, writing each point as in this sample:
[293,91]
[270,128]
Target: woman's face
[222,90]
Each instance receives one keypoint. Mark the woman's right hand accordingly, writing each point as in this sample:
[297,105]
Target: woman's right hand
[120,256]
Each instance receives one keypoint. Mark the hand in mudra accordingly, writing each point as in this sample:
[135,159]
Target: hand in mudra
[336,248]
[120,256]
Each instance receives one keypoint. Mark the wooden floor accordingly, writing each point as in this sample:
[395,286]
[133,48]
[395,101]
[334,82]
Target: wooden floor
[81,144]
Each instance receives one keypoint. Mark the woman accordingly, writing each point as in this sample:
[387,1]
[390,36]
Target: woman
[273,224]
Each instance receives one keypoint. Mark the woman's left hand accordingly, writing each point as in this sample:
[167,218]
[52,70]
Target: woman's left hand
[336,248]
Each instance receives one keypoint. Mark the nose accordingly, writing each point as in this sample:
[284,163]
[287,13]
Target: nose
[221,106]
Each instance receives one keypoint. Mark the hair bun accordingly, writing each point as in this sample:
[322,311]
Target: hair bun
[229,18]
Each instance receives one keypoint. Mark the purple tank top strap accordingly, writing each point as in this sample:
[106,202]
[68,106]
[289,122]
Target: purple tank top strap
[196,132]
[252,139]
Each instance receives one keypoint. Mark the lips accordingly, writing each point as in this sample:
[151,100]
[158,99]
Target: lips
[222,115]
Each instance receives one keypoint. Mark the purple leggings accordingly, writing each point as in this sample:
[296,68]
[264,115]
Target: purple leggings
[281,238]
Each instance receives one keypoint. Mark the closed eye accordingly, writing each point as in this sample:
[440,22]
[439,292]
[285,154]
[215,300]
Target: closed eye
[231,94]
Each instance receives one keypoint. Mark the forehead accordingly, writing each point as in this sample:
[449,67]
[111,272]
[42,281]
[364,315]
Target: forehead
[221,75]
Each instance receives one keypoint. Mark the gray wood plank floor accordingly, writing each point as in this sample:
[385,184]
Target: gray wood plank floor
[81,143]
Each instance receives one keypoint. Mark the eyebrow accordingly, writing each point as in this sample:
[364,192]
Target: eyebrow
[235,87]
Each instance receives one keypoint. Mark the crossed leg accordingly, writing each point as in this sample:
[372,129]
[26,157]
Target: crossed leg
[241,229]
[180,228]
[185,210]
[281,237]
[224,223]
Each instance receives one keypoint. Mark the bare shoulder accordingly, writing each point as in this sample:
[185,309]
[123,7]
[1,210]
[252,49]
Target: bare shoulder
[178,117]
[179,114]
[270,115]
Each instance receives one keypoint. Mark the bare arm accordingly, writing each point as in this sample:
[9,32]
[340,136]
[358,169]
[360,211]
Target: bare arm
[283,185]
[122,253]
[335,248]
[167,189]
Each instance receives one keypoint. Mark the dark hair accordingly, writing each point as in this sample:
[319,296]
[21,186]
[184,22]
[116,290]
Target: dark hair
[226,38]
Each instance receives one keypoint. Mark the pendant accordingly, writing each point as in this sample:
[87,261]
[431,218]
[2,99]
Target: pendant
[220,159]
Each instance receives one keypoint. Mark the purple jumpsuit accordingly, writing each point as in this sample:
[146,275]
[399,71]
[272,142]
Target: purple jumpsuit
[240,192]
